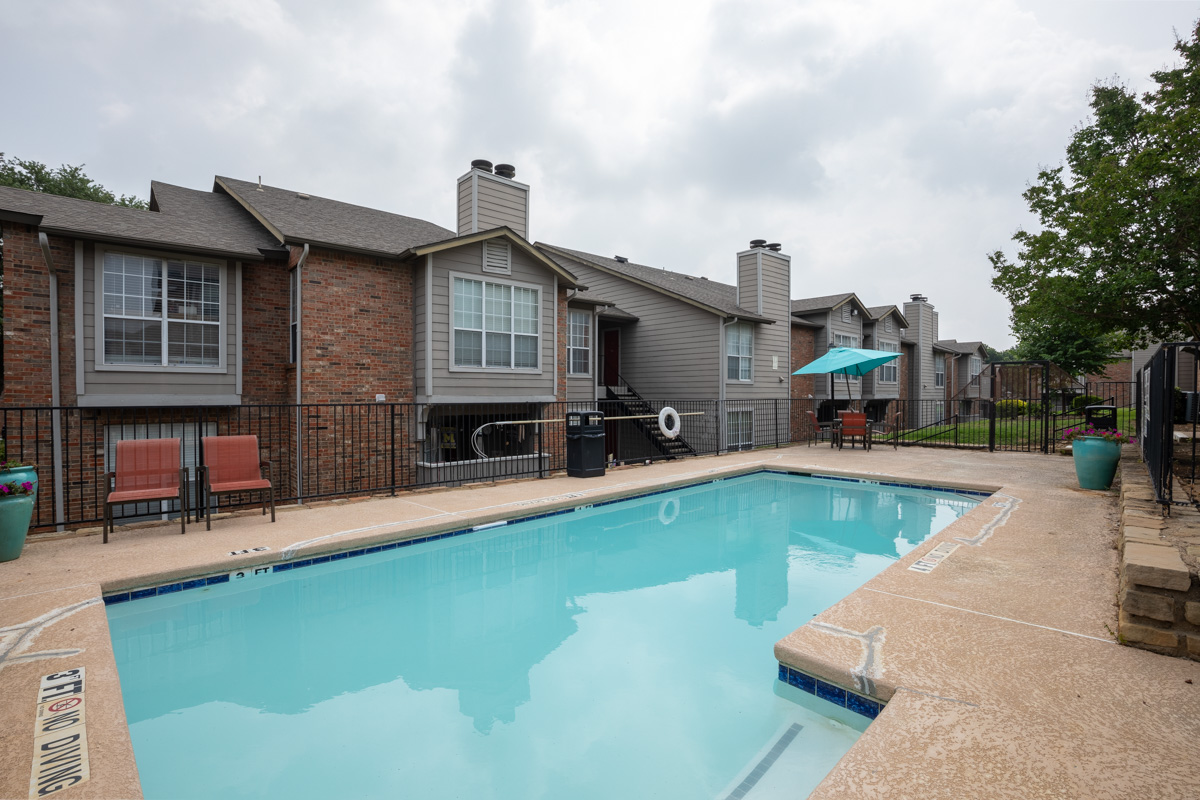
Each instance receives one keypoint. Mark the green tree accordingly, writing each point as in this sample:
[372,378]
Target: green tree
[1043,337]
[1119,245]
[67,180]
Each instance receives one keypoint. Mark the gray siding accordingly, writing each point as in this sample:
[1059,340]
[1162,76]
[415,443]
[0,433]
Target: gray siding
[835,326]
[582,388]
[420,330]
[923,332]
[454,383]
[747,282]
[873,387]
[498,202]
[177,386]
[772,343]
[672,351]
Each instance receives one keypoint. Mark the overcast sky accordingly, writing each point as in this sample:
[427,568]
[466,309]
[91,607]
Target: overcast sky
[885,144]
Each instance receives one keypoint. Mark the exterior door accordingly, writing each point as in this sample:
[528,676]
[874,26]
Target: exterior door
[612,357]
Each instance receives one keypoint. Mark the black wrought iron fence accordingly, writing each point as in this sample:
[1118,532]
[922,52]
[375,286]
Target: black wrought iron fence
[1168,408]
[320,451]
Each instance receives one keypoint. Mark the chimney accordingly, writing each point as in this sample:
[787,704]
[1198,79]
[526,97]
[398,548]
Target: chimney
[490,199]
[764,280]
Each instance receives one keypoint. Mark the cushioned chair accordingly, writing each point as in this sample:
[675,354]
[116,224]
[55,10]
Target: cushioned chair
[821,429]
[854,426]
[146,469]
[232,466]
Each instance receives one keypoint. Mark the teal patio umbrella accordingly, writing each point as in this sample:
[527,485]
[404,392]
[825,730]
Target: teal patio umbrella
[847,361]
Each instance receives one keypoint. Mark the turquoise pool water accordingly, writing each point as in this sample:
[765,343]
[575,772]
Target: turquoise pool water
[618,651]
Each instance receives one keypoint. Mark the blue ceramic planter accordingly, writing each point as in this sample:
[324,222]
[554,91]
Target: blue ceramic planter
[15,512]
[1095,461]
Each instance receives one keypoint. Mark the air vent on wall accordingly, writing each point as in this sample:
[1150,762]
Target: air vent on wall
[497,256]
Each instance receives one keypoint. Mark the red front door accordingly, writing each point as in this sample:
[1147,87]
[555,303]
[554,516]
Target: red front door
[612,357]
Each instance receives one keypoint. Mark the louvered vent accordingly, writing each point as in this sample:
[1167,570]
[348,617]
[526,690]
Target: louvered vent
[497,256]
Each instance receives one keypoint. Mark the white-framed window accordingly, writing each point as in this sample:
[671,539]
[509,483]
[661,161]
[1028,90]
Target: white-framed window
[579,342]
[845,340]
[739,351]
[939,370]
[739,430]
[293,314]
[160,311]
[976,365]
[496,325]
[497,256]
[889,372]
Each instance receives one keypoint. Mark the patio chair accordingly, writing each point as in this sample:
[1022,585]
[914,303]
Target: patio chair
[146,469]
[890,426]
[820,429]
[232,466]
[854,426]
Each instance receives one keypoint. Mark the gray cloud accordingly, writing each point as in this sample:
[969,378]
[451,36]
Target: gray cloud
[885,144]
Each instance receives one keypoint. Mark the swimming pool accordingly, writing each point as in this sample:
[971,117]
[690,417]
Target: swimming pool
[621,650]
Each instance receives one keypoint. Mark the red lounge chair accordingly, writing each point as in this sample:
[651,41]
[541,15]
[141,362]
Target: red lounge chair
[820,429]
[854,426]
[232,466]
[147,469]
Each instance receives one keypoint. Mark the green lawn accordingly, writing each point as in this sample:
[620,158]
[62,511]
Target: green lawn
[1019,433]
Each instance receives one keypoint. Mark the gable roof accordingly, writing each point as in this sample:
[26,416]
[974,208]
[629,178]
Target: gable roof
[503,232]
[179,218]
[962,348]
[719,298]
[808,305]
[297,218]
[879,312]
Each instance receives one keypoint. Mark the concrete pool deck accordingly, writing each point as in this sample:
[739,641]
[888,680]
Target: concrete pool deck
[1000,668]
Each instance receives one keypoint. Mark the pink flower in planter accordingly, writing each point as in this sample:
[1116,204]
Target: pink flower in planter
[4,488]
[27,486]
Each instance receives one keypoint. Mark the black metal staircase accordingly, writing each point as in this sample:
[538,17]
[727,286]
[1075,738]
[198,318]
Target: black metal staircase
[627,402]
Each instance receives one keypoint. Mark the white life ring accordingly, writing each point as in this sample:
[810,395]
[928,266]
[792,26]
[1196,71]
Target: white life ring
[668,510]
[672,430]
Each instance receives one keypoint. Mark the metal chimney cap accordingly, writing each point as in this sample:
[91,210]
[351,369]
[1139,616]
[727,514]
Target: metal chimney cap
[775,246]
[506,171]
[756,243]
[918,298]
[482,163]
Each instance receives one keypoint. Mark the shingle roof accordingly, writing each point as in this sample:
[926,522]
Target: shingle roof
[300,218]
[879,312]
[719,297]
[956,346]
[587,298]
[807,304]
[612,312]
[185,219]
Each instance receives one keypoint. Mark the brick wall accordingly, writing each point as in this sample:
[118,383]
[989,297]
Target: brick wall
[906,352]
[357,328]
[266,374]
[27,375]
[1117,371]
[804,341]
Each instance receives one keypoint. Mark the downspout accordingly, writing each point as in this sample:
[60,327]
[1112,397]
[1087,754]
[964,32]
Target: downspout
[55,386]
[299,355]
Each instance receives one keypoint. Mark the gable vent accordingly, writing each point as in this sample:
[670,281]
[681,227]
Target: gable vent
[497,256]
[846,313]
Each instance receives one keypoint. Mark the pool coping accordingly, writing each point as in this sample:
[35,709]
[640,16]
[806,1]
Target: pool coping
[144,587]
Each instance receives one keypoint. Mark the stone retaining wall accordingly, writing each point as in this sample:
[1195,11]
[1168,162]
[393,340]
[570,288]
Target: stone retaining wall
[1159,594]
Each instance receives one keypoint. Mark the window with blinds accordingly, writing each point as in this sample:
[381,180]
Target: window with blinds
[495,325]
[739,351]
[161,311]
[579,342]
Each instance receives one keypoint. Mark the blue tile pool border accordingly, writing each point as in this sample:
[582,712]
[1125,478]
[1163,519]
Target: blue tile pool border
[128,595]
[860,704]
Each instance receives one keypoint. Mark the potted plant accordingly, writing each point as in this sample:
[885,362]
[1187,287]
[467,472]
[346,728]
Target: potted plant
[1096,454]
[18,493]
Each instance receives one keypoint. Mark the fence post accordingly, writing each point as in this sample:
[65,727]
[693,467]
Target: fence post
[776,423]
[392,434]
[992,427]
[540,449]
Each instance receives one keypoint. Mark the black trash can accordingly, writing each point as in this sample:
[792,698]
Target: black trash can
[1102,418]
[585,444]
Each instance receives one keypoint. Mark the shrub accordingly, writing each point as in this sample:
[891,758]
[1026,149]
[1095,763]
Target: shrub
[1084,400]
[1034,409]
[1007,409]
